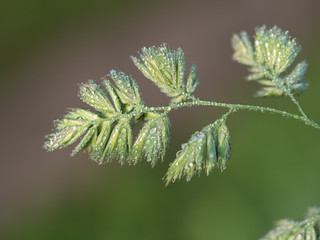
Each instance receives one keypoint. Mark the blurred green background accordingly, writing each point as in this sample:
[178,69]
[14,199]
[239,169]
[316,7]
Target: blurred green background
[48,47]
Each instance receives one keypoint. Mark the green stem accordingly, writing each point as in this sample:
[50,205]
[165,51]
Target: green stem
[297,104]
[233,107]
[286,89]
[198,102]
[292,98]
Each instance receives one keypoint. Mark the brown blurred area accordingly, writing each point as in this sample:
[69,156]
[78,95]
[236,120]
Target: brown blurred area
[41,70]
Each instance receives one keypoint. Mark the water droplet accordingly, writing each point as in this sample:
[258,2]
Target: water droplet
[178,153]
[184,146]
[153,130]
[200,135]
[190,164]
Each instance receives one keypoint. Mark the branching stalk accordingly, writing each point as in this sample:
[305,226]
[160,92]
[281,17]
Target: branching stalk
[107,133]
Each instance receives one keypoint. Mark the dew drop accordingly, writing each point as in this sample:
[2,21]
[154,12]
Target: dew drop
[184,146]
[200,135]
[194,136]
[178,153]
[153,130]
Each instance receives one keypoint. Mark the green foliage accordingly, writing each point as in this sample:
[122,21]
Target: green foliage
[308,229]
[273,53]
[107,133]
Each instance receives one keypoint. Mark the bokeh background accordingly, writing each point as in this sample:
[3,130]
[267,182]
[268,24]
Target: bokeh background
[48,47]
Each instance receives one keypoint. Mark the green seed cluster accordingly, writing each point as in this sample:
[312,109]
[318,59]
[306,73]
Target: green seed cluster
[205,150]
[107,134]
[165,67]
[272,53]
[309,228]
